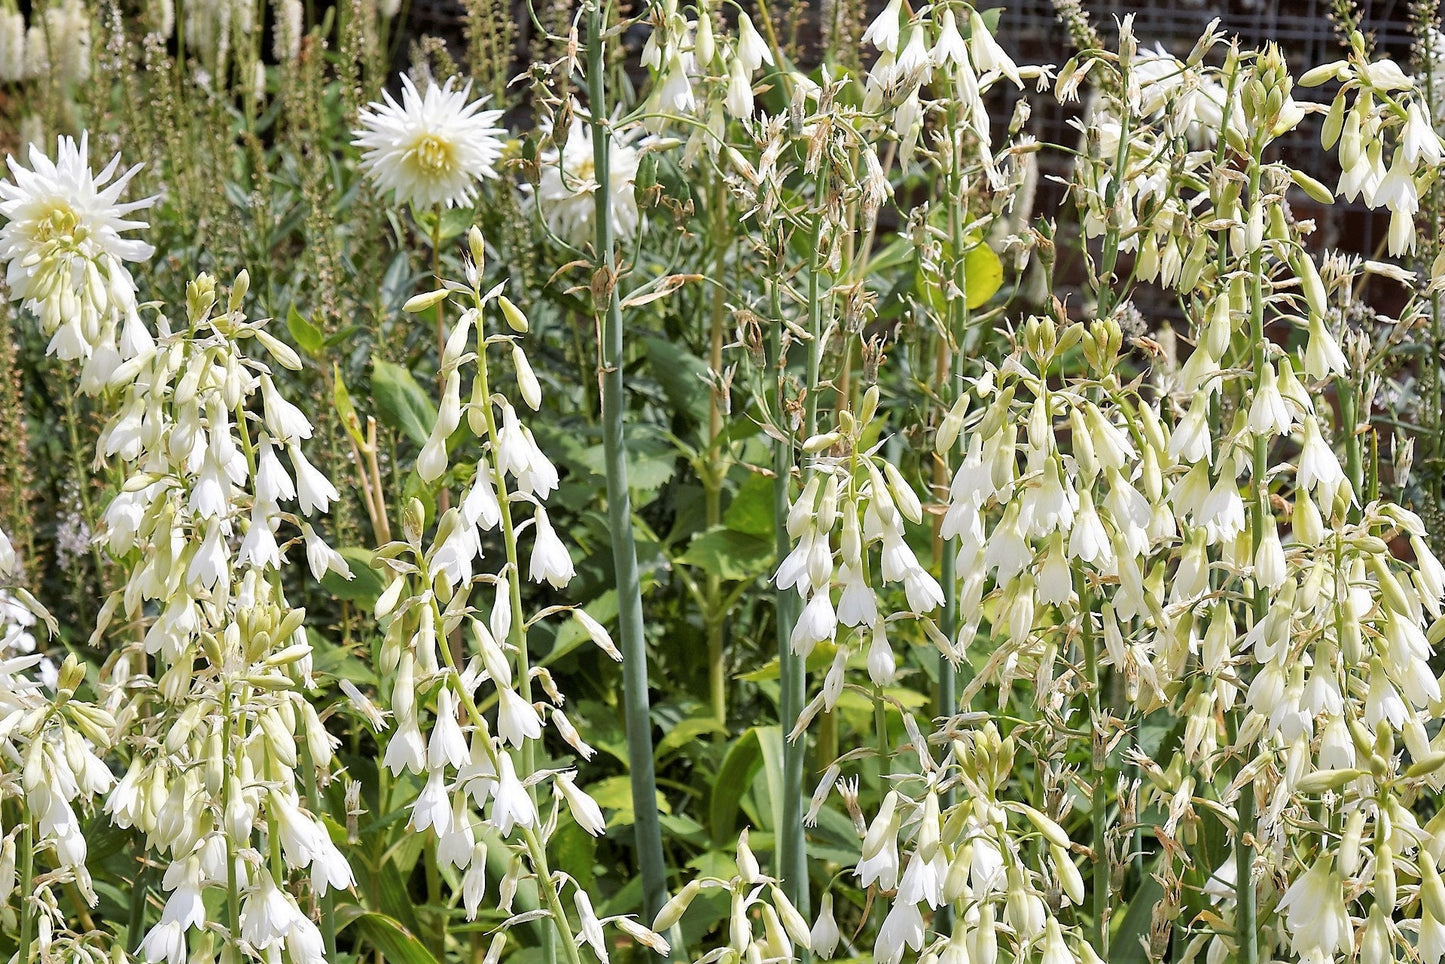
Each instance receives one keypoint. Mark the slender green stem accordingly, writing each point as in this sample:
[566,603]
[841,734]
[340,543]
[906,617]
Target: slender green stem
[327,901]
[791,857]
[230,738]
[27,885]
[1098,805]
[715,458]
[1246,925]
[619,507]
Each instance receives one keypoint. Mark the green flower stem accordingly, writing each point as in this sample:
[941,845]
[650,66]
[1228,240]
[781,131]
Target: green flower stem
[1245,922]
[328,901]
[536,851]
[27,886]
[1098,804]
[791,858]
[715,461]
[619,507]
[230,738]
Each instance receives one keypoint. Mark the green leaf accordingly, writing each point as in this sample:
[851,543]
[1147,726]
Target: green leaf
[751,509]
[401,402]
[615,793]
[1126,947]
[341,398]
[729,555]
[739,765]
[684,732]
[396,944]
[365,583]
[681,375]
[453,222]
[770,742]
[306,335]
[575,849]
[984,275]
[651,463]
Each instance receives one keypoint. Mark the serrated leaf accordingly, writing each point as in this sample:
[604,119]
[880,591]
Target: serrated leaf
[306,335]
[401,402]
[729,555]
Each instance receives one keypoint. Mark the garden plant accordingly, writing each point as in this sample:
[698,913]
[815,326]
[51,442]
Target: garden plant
[705,481]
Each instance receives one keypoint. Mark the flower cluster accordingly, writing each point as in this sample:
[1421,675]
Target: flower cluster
[221,729]
[479,776]
[65,256]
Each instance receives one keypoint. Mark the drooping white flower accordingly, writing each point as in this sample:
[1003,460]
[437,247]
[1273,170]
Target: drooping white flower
[566,194]
[431,148]
[1315,914]
[511,806]
[62,247]
[582,807]
[550,560]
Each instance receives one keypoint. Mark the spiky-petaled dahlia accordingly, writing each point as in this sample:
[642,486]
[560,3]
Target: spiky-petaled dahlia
[565,194]
[62,247]
[431,148]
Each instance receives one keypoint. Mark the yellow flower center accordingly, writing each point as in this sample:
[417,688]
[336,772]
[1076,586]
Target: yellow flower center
[59,223]
[432,155]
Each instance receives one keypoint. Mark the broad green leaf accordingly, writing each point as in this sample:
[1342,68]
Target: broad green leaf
[751,509]
[401,402]
[984,273]
[306,335]
[770,741]
[575,849]
[739,765]
[686,731]
[365,583]
[454,221]
[615,794]
[681,374]
[651,463]
[729,555]
[396,944]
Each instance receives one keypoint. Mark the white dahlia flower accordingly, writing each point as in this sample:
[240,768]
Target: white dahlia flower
[62,248]
[431,148]
[565,192]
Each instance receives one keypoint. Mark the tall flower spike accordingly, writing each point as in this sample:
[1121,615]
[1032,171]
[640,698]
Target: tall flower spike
[431,148]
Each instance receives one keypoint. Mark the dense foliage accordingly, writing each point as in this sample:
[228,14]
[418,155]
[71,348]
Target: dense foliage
[708,496]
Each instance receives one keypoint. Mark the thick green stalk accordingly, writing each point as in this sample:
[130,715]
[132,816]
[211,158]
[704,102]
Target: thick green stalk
[619,505]
[791,858]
